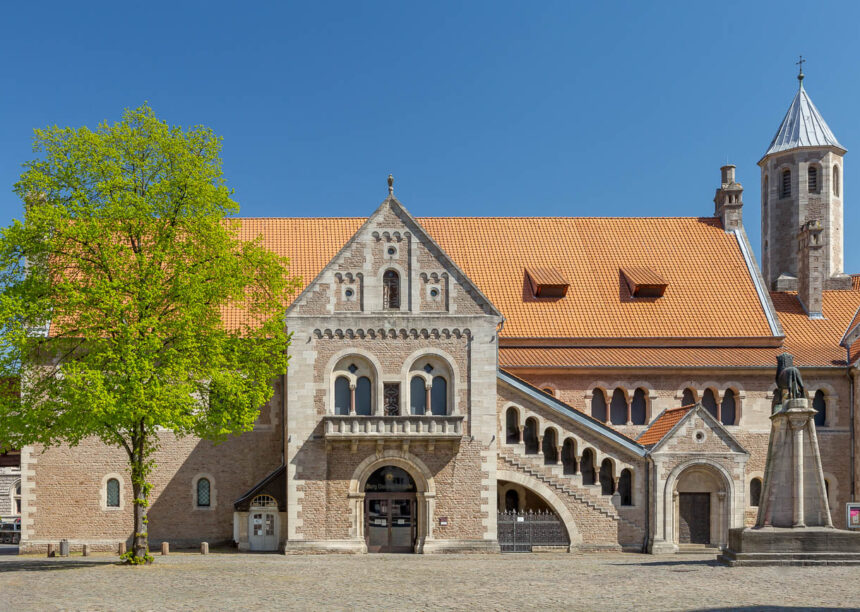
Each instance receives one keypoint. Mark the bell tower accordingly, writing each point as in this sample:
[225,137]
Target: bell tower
[801,182]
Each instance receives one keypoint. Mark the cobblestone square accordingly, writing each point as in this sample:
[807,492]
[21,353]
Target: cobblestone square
[224,581]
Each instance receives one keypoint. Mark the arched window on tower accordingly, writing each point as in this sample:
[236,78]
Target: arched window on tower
[835,180]
[391,290]
[785,188]
[598,405]
[820,405]
[812,179]
[728,408]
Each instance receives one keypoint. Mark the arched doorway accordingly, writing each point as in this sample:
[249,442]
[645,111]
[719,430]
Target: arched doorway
[390,511]
[701,507]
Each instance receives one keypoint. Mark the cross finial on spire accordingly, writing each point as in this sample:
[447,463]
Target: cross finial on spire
[391,184]
[800,63]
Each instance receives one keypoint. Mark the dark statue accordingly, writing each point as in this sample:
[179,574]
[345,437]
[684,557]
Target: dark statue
[788,381]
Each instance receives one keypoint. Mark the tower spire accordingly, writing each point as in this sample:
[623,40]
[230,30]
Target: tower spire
[800,74]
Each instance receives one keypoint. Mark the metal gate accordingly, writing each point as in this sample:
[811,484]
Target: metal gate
[520,531]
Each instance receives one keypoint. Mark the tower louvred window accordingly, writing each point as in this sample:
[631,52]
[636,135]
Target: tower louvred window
[786,184]
[812,179]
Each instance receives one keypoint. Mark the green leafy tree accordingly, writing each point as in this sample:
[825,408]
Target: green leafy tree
[129,304]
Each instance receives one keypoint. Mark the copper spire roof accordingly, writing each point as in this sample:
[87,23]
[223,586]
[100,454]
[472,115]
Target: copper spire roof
[802,126]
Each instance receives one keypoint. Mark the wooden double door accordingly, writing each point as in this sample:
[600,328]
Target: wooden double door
[390,522]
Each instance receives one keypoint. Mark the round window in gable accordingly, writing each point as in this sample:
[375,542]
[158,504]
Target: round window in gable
[349,293]
[699,436]
[392,251]
[434,292]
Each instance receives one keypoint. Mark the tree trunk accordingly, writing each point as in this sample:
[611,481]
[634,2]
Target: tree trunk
[140,544]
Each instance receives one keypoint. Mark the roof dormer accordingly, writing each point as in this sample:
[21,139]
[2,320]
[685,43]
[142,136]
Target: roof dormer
[644,282]
[546,282]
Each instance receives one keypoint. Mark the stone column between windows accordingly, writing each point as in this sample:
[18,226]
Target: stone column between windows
[629,411]
[428,409]
[578,459]
[352,399]
[558,455]
[540,446]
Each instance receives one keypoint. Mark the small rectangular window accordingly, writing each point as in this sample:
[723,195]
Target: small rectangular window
[391,395]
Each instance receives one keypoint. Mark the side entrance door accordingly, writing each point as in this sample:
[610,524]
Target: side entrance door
[694,513]
[389,522]
[263,530]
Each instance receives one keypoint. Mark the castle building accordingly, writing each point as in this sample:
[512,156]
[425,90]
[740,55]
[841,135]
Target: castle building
[486,384]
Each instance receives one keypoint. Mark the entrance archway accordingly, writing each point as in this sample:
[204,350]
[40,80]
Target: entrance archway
[390,513]
[700,506]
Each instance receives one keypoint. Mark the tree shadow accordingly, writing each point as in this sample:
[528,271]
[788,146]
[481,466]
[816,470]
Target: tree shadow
[40,565]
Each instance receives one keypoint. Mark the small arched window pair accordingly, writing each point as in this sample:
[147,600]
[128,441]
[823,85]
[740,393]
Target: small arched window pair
[352,401]
[437,396]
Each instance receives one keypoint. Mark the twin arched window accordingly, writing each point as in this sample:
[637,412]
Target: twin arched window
[349,400]
[432,400]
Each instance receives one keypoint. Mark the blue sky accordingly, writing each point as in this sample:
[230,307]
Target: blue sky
[478,108]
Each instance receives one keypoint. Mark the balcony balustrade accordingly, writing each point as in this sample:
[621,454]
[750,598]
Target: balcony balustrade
[401,427]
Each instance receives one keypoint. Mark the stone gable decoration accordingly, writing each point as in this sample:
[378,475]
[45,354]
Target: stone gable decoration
[794,526]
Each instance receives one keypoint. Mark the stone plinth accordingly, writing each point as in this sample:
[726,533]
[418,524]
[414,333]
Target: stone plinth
[792,546]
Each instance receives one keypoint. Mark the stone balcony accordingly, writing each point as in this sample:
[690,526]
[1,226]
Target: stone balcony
[405,427]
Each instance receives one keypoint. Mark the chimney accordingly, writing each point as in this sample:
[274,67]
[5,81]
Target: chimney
[728,200]
[810,268]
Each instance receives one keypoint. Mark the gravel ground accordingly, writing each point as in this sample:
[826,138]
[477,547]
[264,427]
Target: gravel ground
[406,582]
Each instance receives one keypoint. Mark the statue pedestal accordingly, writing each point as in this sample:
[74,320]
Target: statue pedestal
[792,546]
[793,526]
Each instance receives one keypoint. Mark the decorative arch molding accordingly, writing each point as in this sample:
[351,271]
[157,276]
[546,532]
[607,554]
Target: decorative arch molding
[693,386]
[725,480]
[392,333]
[424,483]
[448,361]
[549,496]
[603,386]
[329,378]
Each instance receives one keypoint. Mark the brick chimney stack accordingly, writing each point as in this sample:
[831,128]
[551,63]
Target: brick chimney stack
[728,201]
[810,268]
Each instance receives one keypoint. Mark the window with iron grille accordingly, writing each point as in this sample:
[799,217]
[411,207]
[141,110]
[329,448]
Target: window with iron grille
[391,396]
[203,493]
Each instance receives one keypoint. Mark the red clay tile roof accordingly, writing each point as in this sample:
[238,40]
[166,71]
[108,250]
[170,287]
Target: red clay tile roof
[637,357]
[664,423]
[815,342]
[703,265]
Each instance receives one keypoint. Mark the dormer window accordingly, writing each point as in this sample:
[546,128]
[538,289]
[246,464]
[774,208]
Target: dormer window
[391,290]
[546,282]
[643,282]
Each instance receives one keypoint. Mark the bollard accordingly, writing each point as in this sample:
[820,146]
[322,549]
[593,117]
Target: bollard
[50,550]
[204,548]
[64,548]
[85,549]
[121,548]
[165,548]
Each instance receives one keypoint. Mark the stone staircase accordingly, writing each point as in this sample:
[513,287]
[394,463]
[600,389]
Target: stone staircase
[553,476]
